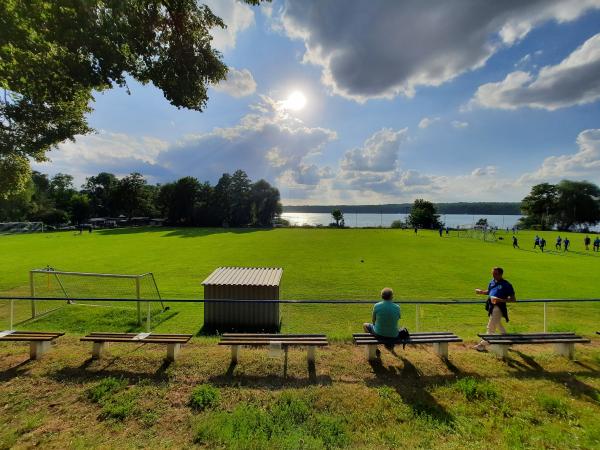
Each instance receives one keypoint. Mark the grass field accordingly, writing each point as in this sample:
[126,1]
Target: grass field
[410,399]
[318,264]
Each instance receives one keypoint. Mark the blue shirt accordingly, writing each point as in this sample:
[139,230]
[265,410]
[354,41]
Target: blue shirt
[387,314]
[501,289]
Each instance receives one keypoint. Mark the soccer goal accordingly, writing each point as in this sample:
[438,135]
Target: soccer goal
[97,289]
[21,227]
[487,234]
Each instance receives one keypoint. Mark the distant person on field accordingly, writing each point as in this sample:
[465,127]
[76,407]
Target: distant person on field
[558,242]
[441,231]
[447,231]
[416,229]
[587,241]
[566,243]
[499,292]
[536,243]
[597,244]
[515,242]
[542,244]
[386,315]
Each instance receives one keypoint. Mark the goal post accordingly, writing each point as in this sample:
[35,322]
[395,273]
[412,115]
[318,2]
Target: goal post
[70,286]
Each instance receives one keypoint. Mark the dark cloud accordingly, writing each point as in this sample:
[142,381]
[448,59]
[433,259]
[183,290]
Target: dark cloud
[384,48]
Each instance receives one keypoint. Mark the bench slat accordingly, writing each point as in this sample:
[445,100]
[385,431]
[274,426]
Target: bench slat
[410,342]
[270,335]
[539,341]
[140,341]
[532,335]
[433,333]
[283,343]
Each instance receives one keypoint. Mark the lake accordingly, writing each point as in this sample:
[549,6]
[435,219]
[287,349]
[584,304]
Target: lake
[385,220]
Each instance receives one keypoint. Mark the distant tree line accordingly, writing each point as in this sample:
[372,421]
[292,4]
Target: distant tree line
[234,201]
[567,205]
[498,208]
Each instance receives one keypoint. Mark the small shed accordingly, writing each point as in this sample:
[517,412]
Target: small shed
[242,283]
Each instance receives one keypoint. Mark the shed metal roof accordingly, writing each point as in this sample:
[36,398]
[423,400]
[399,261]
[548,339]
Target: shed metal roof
[244,276]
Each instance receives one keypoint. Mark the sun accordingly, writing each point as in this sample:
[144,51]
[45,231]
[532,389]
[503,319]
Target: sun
[296,101]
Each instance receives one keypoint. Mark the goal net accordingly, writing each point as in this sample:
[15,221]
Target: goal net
[483,233]
[21,227]
[99,290]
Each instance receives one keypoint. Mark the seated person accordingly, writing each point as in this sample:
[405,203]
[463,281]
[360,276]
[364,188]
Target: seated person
[385,317]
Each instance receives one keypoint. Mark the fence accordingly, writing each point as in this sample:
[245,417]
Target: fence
[419,304]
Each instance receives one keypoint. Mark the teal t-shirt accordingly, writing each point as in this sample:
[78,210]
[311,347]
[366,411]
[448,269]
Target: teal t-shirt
[387,314]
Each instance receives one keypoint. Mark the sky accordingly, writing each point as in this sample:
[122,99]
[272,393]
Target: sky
[350,102]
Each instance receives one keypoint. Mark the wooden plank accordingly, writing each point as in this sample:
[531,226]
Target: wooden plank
[416,342]
[141,341]
[28,338]
[273,340]
[424,333]
[483,335]
[40,332]
[539,341]
[264,343]
[268,335]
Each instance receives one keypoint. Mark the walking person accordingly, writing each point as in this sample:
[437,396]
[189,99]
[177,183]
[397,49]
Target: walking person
[587,241]
[542,244]
[499,292]
[536,243]
[515,242]
[597,244]
[566,243]
[558,242]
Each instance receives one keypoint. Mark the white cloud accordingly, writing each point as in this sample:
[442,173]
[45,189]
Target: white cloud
[378,154]
[237,16]
[404,45]
[239,83]
[428,121]
[458,124]
[584,164]
[574,81]
[484,171]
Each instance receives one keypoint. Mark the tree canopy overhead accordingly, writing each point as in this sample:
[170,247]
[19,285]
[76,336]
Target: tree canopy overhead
[55,54]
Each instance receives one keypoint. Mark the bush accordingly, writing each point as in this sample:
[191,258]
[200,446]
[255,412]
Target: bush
[119,407]
[474,389]
[397,224]
[204,396]
[104,389]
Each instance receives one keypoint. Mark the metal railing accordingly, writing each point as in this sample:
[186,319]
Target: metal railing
[417,303]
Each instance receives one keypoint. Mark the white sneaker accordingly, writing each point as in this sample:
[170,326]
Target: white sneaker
[479,348]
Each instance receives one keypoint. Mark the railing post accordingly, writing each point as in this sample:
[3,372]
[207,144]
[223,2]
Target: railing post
[12,314]
[137,294]
[417,310]
[545,316]
[32,289]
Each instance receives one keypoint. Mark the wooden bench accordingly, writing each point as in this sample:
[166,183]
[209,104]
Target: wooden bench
[39,341]
[564,343]
[439,339]
[283,341]
[101,340]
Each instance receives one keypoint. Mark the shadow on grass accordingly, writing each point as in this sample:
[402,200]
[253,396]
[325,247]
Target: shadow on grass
[270,381]
[184,232]
[412,387]
[15,371]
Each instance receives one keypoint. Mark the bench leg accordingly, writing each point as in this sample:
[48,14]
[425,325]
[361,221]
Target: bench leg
[565,349]
[311,355]
[38,348]
[441,348]
[172,350]
[371,352]
[98,349]
[500,350]
[235,351]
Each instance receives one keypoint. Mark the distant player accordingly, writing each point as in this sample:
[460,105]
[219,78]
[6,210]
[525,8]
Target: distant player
[542,244]
[441,231]
[416,229]
[597,244]
[515,242]
[536,243]
[566,244]
[587,242]
[558,243]
[447,231]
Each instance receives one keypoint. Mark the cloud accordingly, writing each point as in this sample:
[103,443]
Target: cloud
[458,124]
[404,45]
[237,16]
[584,164]
[484,171]
[428,121]
[574,81]
[378,154]
[239,83]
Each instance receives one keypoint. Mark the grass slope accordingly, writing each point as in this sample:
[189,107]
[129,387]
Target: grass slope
[318,264]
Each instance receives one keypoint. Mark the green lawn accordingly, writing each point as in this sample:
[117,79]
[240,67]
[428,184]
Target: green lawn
[318,264]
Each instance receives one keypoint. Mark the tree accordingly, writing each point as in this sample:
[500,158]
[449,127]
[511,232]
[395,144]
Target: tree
[55,54]
[221,201]
[131,195]
[578,204]
[265,203]
[540,207]
[80,208]
[423,215]
[482,223]
[338,216]
[239,192]
[184,201]
[100,190]
[62,190]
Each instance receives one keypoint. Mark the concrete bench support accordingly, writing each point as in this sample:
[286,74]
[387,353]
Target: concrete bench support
[38,348]
[441,349]
[371,352]
[499,350]
[310,355]
[98,349]
[235,353]
[567,350]
[172,351]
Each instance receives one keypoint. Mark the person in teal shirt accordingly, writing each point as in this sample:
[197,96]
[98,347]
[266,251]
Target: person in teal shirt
[386,315]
